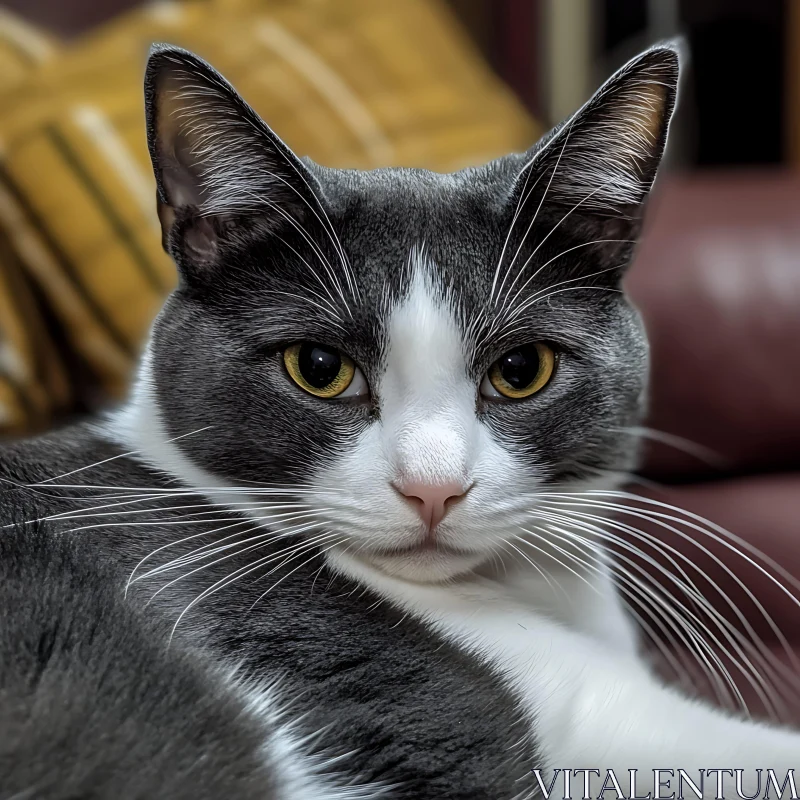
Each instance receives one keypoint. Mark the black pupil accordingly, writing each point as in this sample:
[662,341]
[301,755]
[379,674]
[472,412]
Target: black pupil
[319,365]
[520,367]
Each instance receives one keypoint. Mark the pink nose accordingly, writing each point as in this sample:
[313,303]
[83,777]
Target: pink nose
[430,500]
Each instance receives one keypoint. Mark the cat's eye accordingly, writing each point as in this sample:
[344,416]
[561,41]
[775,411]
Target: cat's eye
[520,373]
[323,371]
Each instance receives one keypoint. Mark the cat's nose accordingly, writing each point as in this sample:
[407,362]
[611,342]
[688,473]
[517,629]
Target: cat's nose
[431,500]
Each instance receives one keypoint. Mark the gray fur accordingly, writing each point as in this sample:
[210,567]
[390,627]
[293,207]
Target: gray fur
[96,703]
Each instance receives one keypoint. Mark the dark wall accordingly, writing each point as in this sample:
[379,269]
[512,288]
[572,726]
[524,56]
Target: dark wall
[738,79]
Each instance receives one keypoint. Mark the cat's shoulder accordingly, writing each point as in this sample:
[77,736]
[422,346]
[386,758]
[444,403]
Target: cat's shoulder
[45,457]
[39,474]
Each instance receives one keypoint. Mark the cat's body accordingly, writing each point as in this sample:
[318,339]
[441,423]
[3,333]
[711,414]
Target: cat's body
[373,531]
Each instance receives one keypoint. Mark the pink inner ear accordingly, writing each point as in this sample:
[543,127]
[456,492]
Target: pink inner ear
[200,241]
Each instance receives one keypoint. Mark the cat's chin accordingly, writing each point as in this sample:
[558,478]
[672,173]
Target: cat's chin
[425,565]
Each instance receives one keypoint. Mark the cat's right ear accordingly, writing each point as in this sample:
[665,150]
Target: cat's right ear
[219,169]
[600,164]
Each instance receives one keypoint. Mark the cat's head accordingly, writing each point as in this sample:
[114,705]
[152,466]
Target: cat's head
[413,357]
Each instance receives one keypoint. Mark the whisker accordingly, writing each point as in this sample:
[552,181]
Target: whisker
[539,298]
[548,579]
[235,576]
[512,314]
[754,644]
[521,200]
[291,572]
[717,534]
[510,303]
[246,569]
[65,514]
[178,542]
[326,265]
[211,549]
[234,549]
[120,455]
[560,222]
[567,133]
[194,490]
[189,519]
[699,451]
[641,595]
[329,228]
[246,505]
[689,624]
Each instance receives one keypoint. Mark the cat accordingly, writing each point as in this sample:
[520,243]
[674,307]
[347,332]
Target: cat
[346,539]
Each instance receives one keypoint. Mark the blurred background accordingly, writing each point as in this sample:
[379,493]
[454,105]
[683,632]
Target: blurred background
[439,84]
[737,105]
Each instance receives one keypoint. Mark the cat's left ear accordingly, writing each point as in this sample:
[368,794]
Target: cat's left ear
[217,164]
[599,166]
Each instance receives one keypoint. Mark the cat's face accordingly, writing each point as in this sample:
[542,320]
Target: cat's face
[414,356]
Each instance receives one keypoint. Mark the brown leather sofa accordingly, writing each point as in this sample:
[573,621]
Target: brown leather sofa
[717,279]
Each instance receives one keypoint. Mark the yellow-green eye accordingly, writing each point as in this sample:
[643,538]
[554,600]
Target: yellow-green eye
[520,372]
[319,369]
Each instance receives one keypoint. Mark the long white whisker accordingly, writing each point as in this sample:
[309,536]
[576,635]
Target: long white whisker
[241,571]
[331,273]
[754,644]
[239,546]
[329,229]
[776,670]
[216,508]
[699,451]
[120,455]
[291,572]
[561,221]
[642,595]
[152,553]
[235,576]
[510,303]
[716,534]
[550,580]
[177,522]
[197,490]
[567,133]
[521,200]
[512,314]
[204,551]
[690,622]
[551,556]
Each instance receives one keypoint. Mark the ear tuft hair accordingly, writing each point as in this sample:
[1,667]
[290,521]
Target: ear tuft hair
[604,159]
[210,150]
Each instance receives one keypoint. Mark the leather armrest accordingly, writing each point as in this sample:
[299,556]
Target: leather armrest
[717,279]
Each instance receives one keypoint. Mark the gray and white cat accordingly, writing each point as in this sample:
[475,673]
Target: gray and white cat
[347,538]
